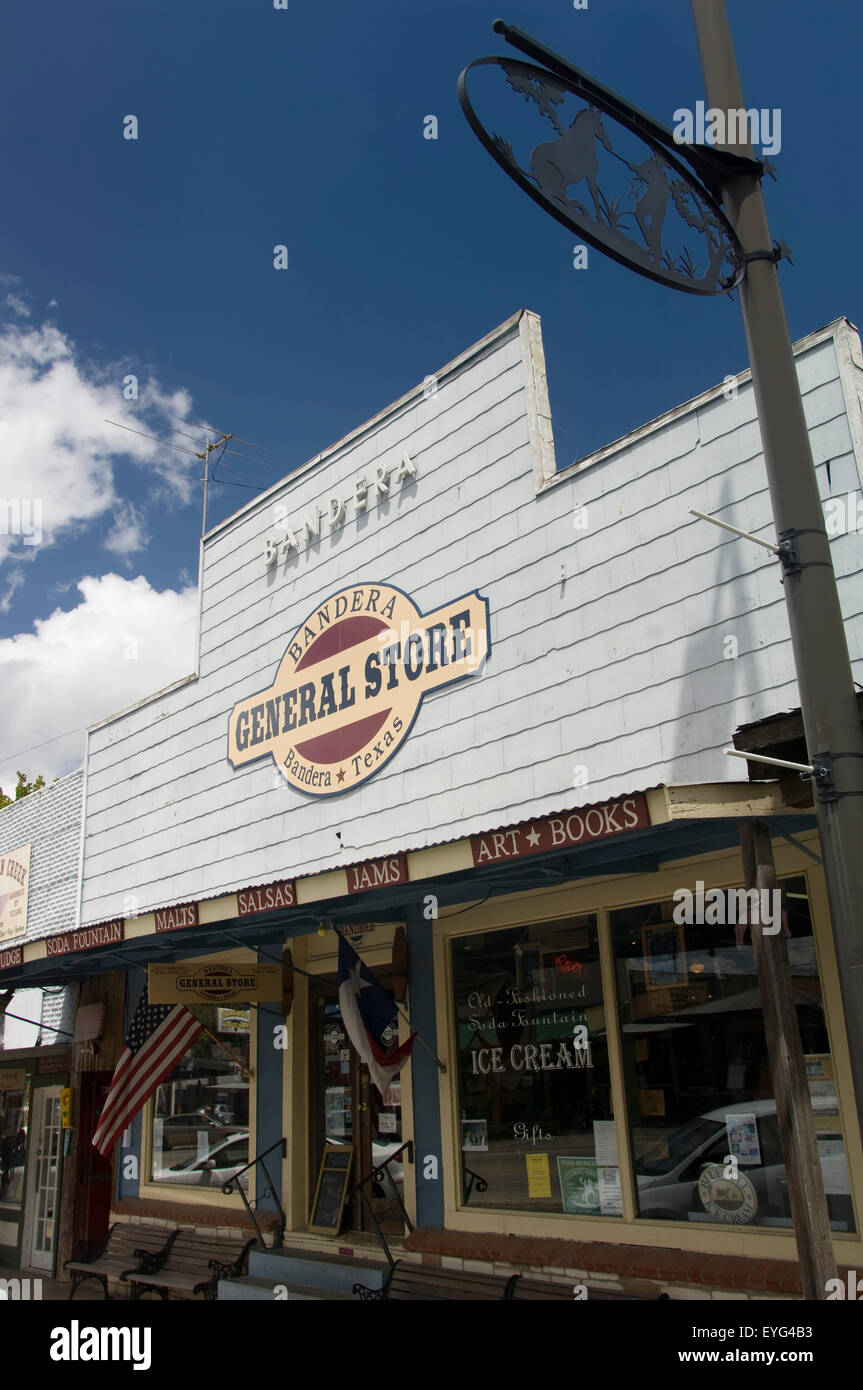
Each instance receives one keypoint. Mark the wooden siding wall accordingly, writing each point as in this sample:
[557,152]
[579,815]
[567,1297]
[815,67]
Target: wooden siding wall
[608,641]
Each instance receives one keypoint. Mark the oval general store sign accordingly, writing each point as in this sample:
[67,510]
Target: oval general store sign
[351,682]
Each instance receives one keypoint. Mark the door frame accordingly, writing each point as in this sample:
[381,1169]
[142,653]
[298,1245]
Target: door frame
[40,1096]
[356,1216]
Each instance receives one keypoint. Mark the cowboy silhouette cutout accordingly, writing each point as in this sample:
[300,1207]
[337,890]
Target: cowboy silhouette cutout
[651,206]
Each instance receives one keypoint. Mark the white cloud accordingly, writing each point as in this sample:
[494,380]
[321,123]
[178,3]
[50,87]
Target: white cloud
[123,641]
[17,305]
[55,445]
[128,534]
[14,581]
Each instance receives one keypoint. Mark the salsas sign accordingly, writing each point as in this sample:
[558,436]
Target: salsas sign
[351,682]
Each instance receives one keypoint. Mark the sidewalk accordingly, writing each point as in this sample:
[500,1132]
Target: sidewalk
[27,1285]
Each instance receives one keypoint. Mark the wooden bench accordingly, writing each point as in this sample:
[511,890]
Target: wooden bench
[409,1280]
[191,1264]
[119,1254]
[525,1286]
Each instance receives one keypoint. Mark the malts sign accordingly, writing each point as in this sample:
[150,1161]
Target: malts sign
[351,682]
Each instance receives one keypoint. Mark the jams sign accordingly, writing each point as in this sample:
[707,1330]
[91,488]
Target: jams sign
[351,682]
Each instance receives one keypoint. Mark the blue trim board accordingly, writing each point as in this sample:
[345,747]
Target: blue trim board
[130,1187]
[268,1097]
[425,1087]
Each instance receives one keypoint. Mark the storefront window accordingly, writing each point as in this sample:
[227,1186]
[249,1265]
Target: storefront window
[14,1114]
[534,1091]
[201,1112]
[702,1116]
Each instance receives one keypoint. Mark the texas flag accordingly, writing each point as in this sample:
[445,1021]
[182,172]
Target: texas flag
[367,1011]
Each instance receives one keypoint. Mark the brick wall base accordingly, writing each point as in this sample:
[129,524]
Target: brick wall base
[640,1270]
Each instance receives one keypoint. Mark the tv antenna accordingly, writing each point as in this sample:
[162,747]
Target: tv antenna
[210,447]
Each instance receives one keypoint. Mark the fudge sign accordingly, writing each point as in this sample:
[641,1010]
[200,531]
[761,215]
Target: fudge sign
[351,682]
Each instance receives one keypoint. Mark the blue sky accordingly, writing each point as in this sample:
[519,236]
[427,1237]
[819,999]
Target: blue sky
[304,127]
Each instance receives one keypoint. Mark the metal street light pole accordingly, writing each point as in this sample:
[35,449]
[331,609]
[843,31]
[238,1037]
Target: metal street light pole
[827,695]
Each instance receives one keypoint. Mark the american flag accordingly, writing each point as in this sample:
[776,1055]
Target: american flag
[159,1035]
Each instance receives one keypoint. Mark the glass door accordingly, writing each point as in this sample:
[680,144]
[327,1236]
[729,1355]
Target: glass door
[40,1228]
[346,1108]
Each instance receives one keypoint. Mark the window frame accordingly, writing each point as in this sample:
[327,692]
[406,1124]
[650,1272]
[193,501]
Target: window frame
[183,1193]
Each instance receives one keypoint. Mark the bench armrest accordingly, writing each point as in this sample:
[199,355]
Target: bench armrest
[82,1250]
[151,1261]
[229,1269]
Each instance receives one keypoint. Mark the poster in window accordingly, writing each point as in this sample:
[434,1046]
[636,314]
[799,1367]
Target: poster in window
[336,1110]
[474,1136]
[538,1175]
[743,1142]
[664,956]
[579,1186]
[610,1192]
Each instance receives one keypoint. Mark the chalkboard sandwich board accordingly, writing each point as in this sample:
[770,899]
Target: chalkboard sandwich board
[332,1188]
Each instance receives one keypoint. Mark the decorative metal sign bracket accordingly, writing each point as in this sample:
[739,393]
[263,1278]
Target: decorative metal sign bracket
[608,172]
[714,167]
[780,252]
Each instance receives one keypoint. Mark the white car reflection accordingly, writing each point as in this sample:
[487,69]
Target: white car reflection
[668,1173]
[214,1168]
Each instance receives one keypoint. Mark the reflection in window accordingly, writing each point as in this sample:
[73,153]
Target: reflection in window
[702,1117]
[534,1086]
[201,1111]
[14,1113]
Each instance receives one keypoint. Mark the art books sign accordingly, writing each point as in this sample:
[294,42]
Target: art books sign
[351,682]
[14,886]
[217,983]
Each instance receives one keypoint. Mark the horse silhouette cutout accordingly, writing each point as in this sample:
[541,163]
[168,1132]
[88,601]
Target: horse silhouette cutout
[557,164]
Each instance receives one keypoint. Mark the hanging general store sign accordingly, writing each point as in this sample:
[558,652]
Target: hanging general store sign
[14,886]
[351,682]
[219,983]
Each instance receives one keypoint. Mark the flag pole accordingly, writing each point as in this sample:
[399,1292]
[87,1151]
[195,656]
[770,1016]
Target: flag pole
[244,1069]
[441,1066]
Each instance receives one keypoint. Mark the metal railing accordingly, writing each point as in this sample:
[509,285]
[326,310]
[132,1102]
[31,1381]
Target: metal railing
[475,1182]
[378,1175]
[234,1184]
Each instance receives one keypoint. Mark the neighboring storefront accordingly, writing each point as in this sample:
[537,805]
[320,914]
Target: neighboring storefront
[39,857]
[469,711]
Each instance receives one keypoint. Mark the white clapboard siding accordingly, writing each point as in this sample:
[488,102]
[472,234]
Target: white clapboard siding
[49,821]
[609,639]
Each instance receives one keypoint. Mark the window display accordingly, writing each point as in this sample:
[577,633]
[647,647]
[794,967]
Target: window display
[534,1088]
[702,1117]
[200,1134]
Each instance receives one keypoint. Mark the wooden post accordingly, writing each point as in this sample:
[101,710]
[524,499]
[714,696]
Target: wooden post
[788,1075]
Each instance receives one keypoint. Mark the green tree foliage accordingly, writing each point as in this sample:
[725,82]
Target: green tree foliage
[23,789]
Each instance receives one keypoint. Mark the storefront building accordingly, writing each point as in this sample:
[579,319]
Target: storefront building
[469,709]
[57,1044]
